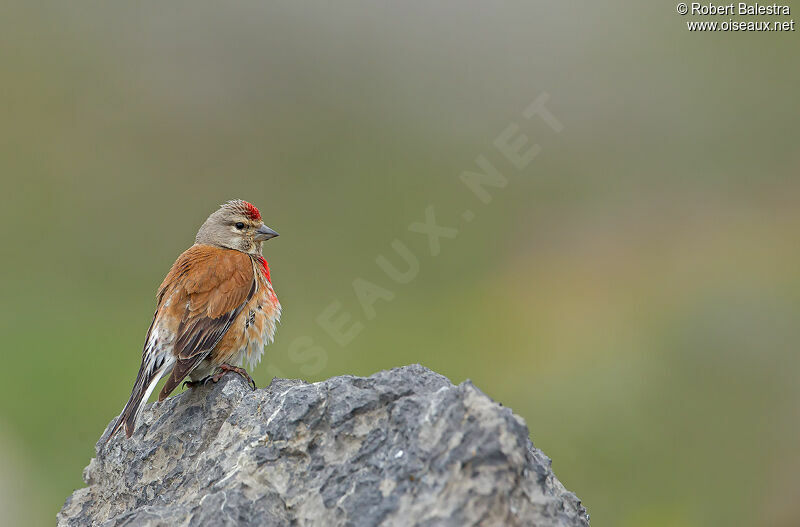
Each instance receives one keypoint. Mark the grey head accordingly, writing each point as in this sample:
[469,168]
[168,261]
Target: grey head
[235,225]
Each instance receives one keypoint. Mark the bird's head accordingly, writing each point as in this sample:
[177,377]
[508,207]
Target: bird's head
[236,225]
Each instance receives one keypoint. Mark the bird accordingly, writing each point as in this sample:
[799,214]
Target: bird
[215,310]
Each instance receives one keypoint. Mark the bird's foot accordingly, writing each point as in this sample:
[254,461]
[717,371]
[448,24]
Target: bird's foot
[195,384]
[241,371]
[225,368]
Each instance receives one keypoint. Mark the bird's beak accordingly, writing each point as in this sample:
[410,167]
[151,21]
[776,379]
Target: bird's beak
[264,233]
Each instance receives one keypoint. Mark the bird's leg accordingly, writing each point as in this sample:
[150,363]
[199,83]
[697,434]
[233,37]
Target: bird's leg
[225,367]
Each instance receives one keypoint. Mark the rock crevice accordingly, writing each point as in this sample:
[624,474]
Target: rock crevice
[402,447]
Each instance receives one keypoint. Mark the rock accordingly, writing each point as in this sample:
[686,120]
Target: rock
[402,447]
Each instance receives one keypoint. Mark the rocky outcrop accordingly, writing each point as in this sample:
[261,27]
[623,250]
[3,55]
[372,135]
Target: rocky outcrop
[402,447]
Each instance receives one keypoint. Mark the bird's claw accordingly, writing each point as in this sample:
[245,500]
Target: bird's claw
[242,372]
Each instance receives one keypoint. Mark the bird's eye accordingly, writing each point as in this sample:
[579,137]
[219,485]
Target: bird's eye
[240,225]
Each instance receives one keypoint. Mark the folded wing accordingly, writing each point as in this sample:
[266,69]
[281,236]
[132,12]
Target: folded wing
[210,287]
[197,302]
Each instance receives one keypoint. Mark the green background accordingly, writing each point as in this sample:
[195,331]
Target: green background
[633,293]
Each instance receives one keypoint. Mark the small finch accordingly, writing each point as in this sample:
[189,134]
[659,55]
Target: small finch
[215,309]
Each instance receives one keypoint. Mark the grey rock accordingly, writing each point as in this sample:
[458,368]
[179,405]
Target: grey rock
[402,447]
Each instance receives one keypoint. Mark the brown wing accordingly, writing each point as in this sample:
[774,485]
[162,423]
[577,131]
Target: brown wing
[207,288]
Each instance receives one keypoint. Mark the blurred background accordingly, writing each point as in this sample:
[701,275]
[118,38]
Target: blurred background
[633,292]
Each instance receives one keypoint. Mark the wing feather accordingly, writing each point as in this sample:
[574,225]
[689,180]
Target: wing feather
[197,302]
[212,285]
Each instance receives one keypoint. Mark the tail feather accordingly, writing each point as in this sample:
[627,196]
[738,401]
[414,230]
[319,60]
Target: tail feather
[149,374]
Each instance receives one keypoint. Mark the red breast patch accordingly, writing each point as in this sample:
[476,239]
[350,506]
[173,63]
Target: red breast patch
[265,268]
